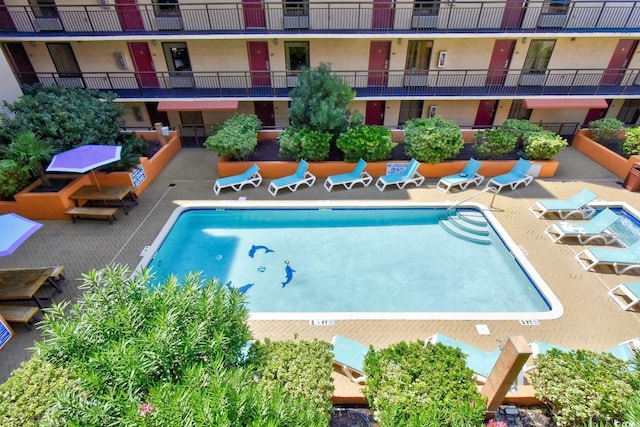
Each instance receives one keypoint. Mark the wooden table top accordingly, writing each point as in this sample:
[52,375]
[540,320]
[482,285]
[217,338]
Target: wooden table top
[22,283]
[107,192]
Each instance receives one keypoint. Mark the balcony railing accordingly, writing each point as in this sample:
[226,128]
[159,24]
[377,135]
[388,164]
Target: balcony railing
[366,83]
[321,17]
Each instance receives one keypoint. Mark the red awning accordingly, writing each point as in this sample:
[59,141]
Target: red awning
[565,103]
[197,105]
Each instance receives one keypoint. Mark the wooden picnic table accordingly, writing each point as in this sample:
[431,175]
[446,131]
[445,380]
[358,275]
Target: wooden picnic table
[22,284]
[105,194]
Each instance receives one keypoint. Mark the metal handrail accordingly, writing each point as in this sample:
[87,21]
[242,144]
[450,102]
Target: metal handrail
[474,195]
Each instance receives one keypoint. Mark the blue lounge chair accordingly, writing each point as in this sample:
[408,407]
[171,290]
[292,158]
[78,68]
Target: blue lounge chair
[626,295]
[626,351]
[468,176]
[479,361]
[578,204]
[250,176]
[409,176]
[540,347]
[596,229]
[349,356]
[622,260]
[518,175]
[358,175]
[292,182]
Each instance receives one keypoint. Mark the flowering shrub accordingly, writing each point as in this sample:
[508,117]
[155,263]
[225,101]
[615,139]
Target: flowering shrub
[494,423]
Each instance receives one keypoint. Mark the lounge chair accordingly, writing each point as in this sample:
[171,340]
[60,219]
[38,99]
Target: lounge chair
[468,176]
[401,180]
[518,175]
[250,176]
[349,356]
[626,295]
[292,182]
[540,347]
[594,230]
[627,351]
[622,260]
[357,176]
[574,205]
[479,361]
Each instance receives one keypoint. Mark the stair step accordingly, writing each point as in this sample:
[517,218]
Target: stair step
[463,234]
[472,217]
[471,227]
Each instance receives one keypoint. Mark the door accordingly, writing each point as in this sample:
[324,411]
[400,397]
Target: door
[383,13]
[264,111]
[513,14]
[499,64]
[619,62]
[143,64]
[20,63]
[253,12]
[6,23]
[374,114]
[156,116]
[594,114]
[486,113]
[379,62]
[259,63]
[129,15]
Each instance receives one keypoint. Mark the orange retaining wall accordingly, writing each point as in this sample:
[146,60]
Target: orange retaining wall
[602,155]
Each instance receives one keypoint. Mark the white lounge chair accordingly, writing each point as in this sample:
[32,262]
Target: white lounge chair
[622,260]
[479,361]
[519,174]
[357,176]
[594,230]
[627,351]
[349,356]
[292,182]
[250,176]
[401,180]
[578,205]
[468,176]
[626,295]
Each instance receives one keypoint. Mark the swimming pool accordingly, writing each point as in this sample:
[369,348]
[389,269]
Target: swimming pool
[628,226]
[340,260]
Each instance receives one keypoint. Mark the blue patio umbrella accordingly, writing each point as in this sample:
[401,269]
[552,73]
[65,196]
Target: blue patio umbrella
[14,231]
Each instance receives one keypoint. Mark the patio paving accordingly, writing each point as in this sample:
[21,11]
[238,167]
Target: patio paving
[591,318]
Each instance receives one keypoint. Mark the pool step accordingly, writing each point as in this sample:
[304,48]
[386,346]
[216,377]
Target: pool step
[472,217]
[473,227]
[455,229]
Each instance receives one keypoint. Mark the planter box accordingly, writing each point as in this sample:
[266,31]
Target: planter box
[602,155]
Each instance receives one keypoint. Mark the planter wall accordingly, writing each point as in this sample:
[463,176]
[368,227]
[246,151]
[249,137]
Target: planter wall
[43,206]
[602,155]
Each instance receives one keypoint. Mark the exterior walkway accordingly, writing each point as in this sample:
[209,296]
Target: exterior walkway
[591,319]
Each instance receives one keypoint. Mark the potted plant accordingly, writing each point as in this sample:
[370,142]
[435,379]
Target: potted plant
[236,138]
[370,143]
[631,144]
[304,143]
[607,130]
[432,140]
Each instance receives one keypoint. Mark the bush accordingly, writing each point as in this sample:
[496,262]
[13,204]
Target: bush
[371,143]
[582,386]
[519,128]
[543,145]
[631,144]
[607,130]
[236,138]
[297,144]
[494,144]
[410,385]
[432,140]
[13,178]
[133,147]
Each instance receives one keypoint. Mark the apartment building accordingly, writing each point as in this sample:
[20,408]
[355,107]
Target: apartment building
[192,64]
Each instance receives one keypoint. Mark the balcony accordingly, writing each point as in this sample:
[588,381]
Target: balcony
[388,83]
[320,18]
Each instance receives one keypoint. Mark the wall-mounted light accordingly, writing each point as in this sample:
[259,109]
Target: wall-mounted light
[137,113]
[524,40]
[275,41]
[154,43]
[399,41]
[33,44]
[121,60]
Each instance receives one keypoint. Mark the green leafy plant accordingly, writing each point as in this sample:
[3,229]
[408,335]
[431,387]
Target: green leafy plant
[519,127]
[409,384]
[371,143]
[631,144]
[305,144]
[236,138]
[133,147]
[607,130]
[13,178]
[432,140]
[494,143]
[543,145]
[581,386]
[30,152]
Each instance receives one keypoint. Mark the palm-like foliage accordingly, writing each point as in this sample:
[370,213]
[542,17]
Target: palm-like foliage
[31,152]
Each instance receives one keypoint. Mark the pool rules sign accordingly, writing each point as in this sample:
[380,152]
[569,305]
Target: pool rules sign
[6,333]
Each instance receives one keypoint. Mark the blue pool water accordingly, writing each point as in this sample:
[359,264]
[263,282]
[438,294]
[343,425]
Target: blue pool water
[627,227]
[349,263]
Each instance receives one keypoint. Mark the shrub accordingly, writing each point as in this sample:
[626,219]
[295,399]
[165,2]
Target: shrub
[13,178]
[305,144]
[236,138]
[494,144]
[409,384]
[432,140]
[543,145]
[371,143]
[133,147]
[631,144]
[30,152]
[519,127]
[607,130]
[582,386]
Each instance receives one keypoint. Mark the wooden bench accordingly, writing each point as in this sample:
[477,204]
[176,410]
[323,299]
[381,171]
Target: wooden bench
[56,276]
[91,212]
[19,314]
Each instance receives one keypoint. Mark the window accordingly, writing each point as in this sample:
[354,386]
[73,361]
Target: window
[410,110]
[167,8]
[555,7]
[297,55]
[426,7]
[44,8]
[538,56]
[295,7]
[630,111]
[64,60]
[418,55]
[518,111]
[177,56]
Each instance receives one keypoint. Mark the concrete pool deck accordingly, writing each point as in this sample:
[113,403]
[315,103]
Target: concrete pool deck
[591,318]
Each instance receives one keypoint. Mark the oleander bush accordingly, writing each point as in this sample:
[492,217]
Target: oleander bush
[304,143]
[432,140]
[236,138]
[494,143]
[371,143]
[543,145]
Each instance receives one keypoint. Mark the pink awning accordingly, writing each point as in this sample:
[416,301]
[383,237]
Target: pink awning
[565,103]
[197,105]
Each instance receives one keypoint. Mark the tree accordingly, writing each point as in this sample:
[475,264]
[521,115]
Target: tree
[320,100]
